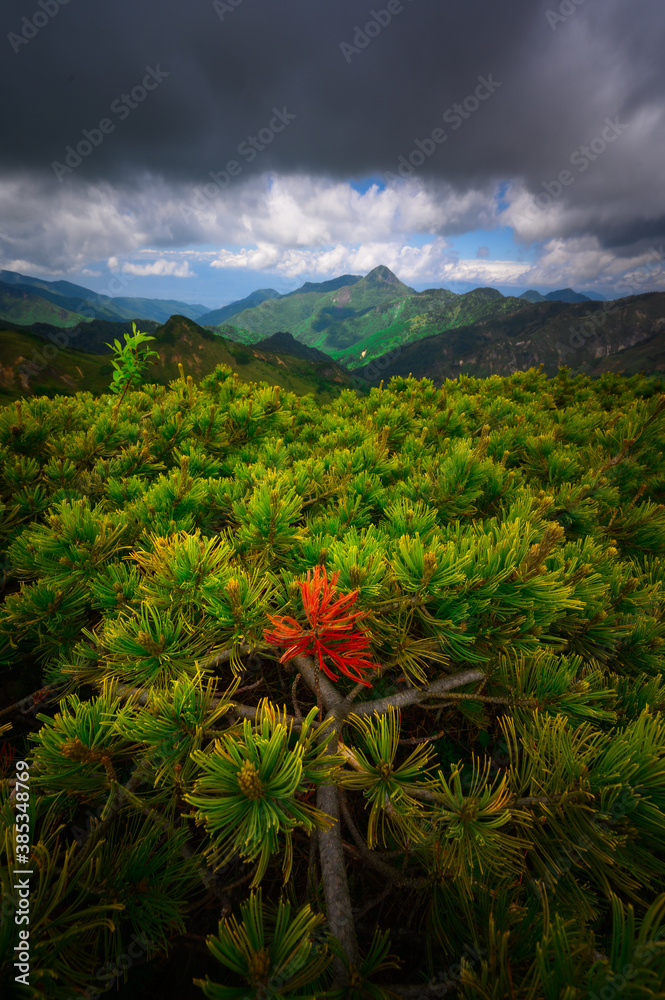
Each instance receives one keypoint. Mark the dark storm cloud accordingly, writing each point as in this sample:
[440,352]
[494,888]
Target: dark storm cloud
[225,76]
[182,86]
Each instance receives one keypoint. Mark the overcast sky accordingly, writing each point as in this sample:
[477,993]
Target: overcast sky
[518,145]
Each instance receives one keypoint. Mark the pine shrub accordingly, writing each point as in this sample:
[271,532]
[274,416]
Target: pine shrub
[347,701]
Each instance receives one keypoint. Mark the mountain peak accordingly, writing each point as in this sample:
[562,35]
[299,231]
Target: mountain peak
[566,295]
[383,273]
[486,292]
[178,323]
[178,326]
[325,286]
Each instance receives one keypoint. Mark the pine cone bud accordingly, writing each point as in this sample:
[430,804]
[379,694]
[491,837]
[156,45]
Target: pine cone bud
[249,781]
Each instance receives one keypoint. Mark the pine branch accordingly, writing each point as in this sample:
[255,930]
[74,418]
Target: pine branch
[236,709]
[423,991]
[311,867]
[492,699]
[296,707]
[618,458]
[211,880]
[423,739]
[364,910]
[225,655]
[249,712]
[120,791]
[32,699]
[393,874]
[428,796]
[333,873]
[417,695]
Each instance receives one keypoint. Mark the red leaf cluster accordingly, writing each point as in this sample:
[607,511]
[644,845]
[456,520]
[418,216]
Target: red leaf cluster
[330,629]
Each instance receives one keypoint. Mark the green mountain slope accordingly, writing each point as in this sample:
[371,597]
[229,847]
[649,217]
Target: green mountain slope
[420,315]
[354,323]
[218,316]
[309,310]
[19,304]
[66,288]
[101,308]
[64,362]
[589,337]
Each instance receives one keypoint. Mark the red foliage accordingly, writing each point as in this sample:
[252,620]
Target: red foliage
[330,633]
[7,755]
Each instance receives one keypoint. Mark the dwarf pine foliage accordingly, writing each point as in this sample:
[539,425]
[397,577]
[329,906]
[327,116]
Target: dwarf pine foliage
[367,696]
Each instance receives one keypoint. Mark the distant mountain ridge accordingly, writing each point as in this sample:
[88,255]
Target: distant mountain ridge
[72,298]
[561,295]
[588,337]
[349,332]
[218,316]
[65,288]
[368,316]
[23,300]
[284,343]
[78,359]
[325,286]
[23,305]
[359,322]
